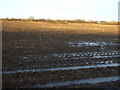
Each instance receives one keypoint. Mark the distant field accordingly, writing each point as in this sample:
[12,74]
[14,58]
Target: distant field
[70,28]
[36,54]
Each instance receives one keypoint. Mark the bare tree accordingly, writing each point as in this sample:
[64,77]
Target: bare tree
[31,18]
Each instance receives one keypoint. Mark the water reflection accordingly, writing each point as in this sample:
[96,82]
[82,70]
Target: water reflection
[75,82]
[63,68]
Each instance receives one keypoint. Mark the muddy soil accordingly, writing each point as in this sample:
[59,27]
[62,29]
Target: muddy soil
[29,49]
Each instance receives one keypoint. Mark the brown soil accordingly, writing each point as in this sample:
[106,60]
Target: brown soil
[35,38]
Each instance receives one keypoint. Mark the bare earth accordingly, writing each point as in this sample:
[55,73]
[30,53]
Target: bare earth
[69,55]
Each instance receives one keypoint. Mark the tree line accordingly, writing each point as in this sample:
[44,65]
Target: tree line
[32,19]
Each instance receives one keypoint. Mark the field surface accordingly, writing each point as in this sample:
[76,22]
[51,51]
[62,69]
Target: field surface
[40,55]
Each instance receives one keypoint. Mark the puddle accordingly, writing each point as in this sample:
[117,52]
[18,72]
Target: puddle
[33,57]
[62,68]
[83,43]
[69,56]
[105,56]
[75,82]
[67,64]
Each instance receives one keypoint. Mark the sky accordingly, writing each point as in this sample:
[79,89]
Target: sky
[100,10]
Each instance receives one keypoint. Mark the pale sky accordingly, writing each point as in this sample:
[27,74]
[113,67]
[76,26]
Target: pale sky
[101,10]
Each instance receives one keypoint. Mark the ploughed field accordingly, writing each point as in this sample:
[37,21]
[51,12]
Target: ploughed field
[40,55]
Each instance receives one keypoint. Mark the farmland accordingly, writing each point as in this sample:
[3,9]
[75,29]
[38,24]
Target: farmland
[40,54]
